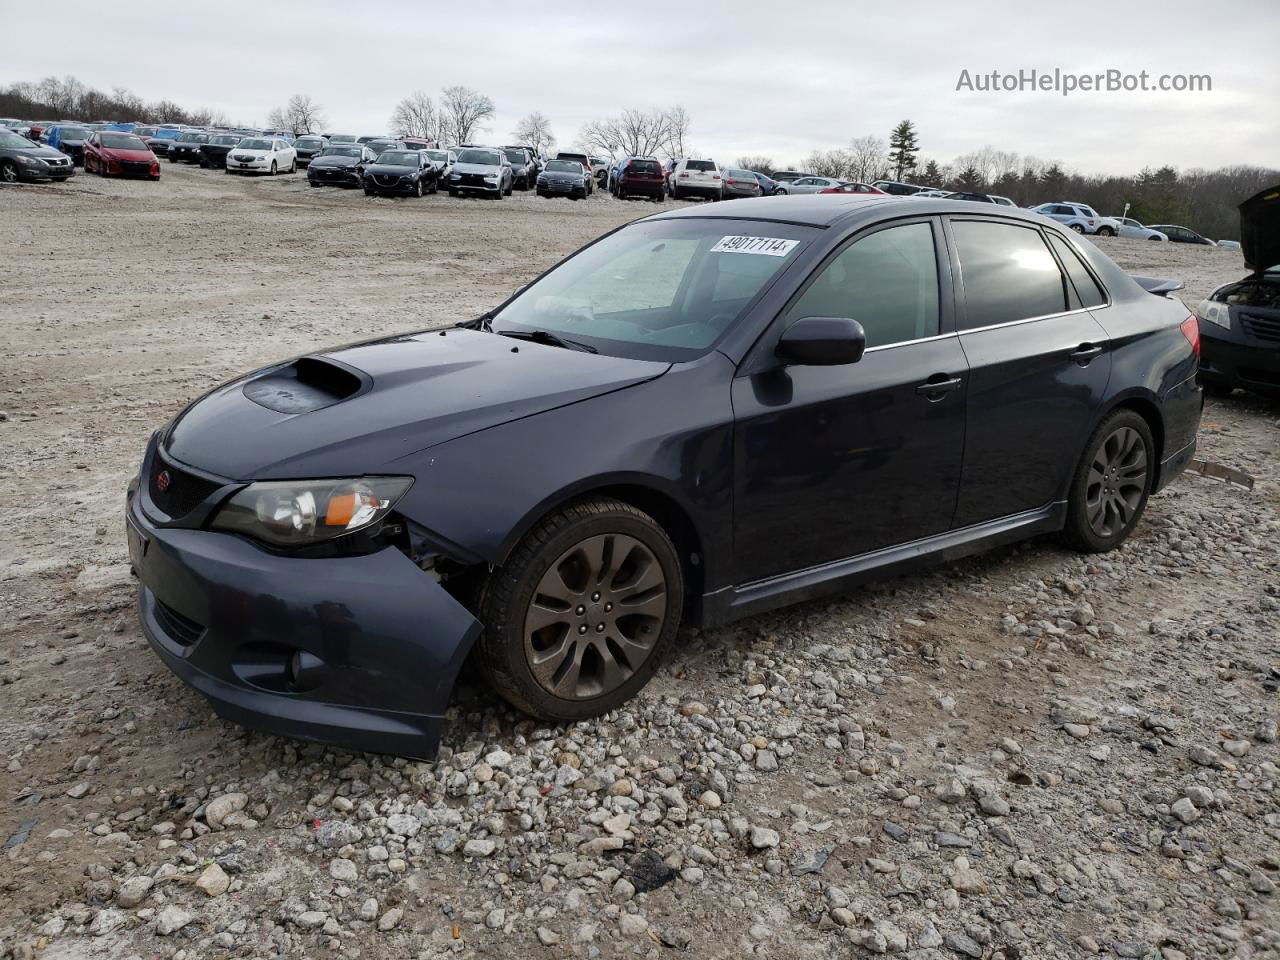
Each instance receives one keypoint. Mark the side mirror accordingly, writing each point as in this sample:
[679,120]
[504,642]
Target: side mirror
[822,342]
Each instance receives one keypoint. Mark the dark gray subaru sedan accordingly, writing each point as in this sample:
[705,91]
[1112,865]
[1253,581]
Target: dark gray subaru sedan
[700,416]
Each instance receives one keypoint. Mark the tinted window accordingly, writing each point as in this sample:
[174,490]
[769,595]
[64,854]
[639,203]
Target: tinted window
[564,166]
[1087,288]
[704,166]
[644,166]
[888,282]
[487,158]
[1008,273]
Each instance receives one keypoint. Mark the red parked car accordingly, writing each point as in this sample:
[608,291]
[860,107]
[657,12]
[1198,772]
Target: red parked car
[120,155]
[853,186]
[643,176]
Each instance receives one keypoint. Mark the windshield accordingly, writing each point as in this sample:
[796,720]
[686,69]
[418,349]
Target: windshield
[227,141]
[122,141]
[564,166]
[399,158]
[659,289]
[438,155]
[8,139]
[308,142]
[486,158]
[190,138]
[73,133]
[343,152]
[342,138]
[515,156]
[255,144]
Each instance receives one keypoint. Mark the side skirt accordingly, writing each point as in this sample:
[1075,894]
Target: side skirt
[733,603]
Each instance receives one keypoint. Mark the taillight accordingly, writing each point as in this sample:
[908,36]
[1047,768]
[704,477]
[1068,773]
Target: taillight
[1191,330]
[684,176]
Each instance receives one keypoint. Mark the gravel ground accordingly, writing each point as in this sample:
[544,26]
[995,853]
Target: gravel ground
[1026,754]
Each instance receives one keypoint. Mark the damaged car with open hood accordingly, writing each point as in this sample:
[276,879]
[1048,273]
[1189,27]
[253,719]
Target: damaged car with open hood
[700,416]
[1240,321]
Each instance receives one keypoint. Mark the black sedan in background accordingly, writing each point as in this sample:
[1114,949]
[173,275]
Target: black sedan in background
[693,419]
[20,159]
[308,148]
[188,148]
[340,166]
[1240,321]
[214,152]
[563,178]
[408,172]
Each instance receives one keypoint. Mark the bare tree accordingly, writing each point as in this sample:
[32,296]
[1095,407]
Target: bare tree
[464,112]
[277,119]
[535,130]
[303,115]
[866,158]
[416,116]
[634,133]
[757,164]
[676,144]
[828,163]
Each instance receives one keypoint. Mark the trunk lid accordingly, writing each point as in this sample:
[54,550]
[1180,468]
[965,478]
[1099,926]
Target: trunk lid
[1260,230]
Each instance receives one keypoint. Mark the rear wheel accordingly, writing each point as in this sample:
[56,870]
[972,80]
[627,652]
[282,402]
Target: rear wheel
[1106,232]
[1077,228]
[1112,483]
[581,616]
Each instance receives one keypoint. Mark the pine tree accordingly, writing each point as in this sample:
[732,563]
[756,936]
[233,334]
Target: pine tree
[931,176]
[903,147]
[970,179]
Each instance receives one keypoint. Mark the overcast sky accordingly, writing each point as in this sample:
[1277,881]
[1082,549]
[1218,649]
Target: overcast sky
[778,79]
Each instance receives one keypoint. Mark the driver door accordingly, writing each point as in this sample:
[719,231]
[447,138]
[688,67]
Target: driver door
[835,461]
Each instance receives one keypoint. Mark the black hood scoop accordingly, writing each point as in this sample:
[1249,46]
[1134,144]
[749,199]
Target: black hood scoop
[307,384]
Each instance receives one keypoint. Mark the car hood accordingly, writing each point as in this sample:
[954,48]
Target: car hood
[561,175]
[333,161]
[484,169]
[256,154]
[138,155]
[359,409]
[1260,230]
[390,169]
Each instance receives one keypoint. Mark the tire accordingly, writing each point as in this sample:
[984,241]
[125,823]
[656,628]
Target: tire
[368,191]
[417,188]
[566,540]
[498,194]
[1111,484]
[273,171]
[509,186]
[1156,239]
[675,193]
[1106,232]
[227,171]
[316,185]
[453,193]
[1077,228]
[435,186]
[661,198]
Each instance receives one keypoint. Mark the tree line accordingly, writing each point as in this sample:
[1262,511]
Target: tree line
[66,98]
[1204,200]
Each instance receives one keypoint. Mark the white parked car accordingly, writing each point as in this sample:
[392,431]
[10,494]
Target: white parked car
[1132,229]
[262,155]
[1080,217]
[696,178]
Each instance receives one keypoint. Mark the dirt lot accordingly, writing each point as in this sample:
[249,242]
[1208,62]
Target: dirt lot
[1023,755]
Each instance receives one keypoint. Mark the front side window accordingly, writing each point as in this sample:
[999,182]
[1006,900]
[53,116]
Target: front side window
[887,281]
[663,289]
[1008,273]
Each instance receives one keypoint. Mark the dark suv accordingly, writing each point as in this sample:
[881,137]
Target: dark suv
[524,168]
[640,176]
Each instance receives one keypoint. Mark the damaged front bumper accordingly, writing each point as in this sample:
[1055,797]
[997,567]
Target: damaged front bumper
[360,652]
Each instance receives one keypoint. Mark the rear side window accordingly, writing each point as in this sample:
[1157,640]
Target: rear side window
[1008,273]
[1086,288]
[887,281]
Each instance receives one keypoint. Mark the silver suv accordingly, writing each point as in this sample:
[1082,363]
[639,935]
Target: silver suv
[1080,217]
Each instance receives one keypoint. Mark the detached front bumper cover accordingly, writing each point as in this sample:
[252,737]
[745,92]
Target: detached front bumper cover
[360,652]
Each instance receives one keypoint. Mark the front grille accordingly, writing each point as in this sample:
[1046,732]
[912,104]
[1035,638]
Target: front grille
[1264,328]
[184,491]
[182,630]
[474,180]
[135,166]
[386,181]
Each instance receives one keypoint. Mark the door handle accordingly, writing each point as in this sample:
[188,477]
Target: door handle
[938,385]
[1085,352]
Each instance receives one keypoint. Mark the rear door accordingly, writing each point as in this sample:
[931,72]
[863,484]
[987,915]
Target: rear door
[1039,365]
[835,461]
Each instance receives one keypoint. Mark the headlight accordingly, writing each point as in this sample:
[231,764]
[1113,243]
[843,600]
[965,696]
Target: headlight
[29,161]
[455,176]
[298,512]
[1219,313]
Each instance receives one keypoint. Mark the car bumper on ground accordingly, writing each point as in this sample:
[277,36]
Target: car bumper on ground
[333,177]
[492,189]
[43,173]
[1234,358]
[399,188]
[561,188]
[359,652]
[260,165]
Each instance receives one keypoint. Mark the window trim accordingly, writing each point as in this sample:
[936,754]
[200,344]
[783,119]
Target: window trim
[958,271]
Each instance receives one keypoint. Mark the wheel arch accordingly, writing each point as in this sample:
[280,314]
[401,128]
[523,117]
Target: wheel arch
[1147,406]
[645,493]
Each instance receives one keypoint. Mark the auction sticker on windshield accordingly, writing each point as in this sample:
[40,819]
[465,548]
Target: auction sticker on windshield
[767,246]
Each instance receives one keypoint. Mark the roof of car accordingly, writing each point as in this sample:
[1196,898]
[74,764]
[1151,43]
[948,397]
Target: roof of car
[826,210]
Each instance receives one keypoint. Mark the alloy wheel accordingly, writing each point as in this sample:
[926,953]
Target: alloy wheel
[595,616]
[9,172]
[1117,482]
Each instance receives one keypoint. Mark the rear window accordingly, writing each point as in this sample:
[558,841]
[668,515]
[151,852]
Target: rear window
[1008,273]
[702,166]
[644,166]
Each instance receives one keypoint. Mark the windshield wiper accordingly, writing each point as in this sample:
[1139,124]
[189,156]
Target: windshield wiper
[549,338]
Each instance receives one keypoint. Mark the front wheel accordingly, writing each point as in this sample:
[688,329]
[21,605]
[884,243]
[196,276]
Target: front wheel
[1112,483]
[272,171]
[1077,228]
[9,171]
[1106,232]
[582,615]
